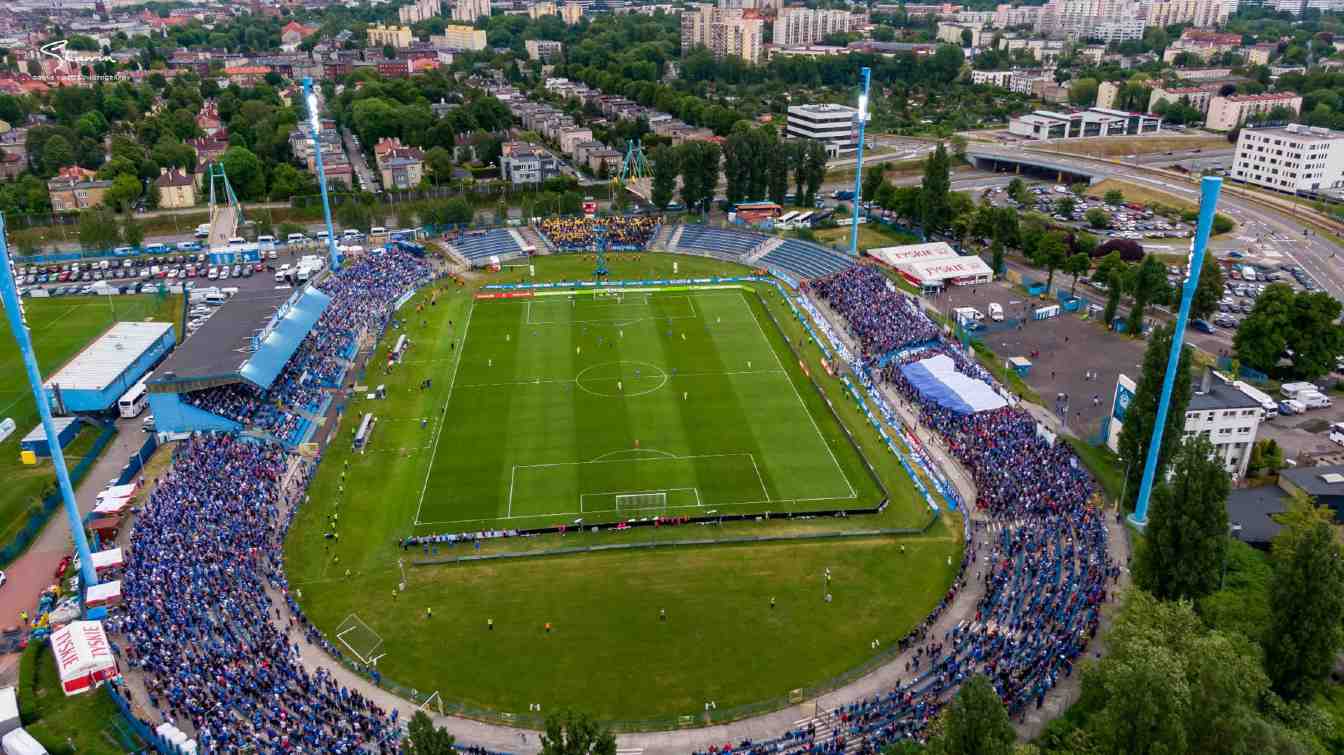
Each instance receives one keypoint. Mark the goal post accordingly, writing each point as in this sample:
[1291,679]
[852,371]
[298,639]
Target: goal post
[648,501]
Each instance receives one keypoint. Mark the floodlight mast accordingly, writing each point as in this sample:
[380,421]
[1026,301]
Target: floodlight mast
[314,131]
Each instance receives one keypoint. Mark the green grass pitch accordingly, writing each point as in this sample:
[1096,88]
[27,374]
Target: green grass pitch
[521,397]
[606,407]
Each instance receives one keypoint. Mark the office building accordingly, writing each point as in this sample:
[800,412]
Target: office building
[1050,124]
[833,125]
[1226,113]
[725,32]
[1294,158]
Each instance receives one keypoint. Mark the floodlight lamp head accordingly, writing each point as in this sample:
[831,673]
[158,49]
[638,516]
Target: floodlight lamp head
[313,120]
[863,107]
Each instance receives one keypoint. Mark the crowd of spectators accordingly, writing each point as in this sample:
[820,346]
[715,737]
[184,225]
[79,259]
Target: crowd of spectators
[218,659]
[361,294]
[880,316]
[1037,552]
[624,232]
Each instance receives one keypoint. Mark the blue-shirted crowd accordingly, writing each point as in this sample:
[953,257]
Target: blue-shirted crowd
[1038,551]
[360,294]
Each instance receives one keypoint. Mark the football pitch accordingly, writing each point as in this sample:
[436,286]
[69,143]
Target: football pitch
[603,407]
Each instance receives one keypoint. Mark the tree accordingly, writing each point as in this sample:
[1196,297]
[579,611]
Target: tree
[1114,197]
[424,738]
[665,171]
[123,192]
[1077,265]
[1065,206]
[245,172]
[777,173]
[440,163]
[996,256]
[1050,254]
[1210,289]
[98,229]
[872,181]
[959,144]
[1112,272]
[976,722]
[1017,189]
[1141,414]
[132,233]
[288,181]
[57,153]
[1281,321]
[1149,286]
[1187,535]
[1083,92]
[1306,602]
[1097,218]
[814,168]
[935,212]
[457,211]
[575,734]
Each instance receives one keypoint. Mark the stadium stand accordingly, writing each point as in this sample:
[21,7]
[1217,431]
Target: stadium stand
[805,259]
[477,247]
[625,233]
[728,244]
[1038,547]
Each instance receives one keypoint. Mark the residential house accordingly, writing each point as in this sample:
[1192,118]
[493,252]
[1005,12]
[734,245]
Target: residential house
[75,188]
[176,188]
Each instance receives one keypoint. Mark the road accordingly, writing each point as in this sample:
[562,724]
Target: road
[367,181]
[1268,234]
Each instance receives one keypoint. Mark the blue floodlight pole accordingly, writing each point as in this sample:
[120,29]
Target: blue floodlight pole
[13,308]
[314,129]
[1208,203]
[862,115]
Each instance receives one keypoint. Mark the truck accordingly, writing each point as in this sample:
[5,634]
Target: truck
[842,194]
[968,317]
[996,311]
[1291,390]
[1270,407]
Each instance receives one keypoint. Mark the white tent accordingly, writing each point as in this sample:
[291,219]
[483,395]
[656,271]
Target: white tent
[119,491]
[20,742]
[108,559]
[83,655]
[9,710]
[105,594]
[111,506]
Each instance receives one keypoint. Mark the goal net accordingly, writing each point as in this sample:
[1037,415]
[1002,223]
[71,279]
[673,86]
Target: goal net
[360,639]
[642,501]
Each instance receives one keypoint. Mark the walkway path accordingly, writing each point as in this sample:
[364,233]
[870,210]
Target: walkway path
[33,571]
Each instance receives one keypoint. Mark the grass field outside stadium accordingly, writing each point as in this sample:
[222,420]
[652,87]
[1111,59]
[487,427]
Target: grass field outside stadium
[531,420]
[60,328]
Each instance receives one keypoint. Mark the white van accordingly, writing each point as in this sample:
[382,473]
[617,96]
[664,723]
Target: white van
[282,273]
[215,298]
[1291,407]
[202,230]
[1337,432]
[996,311]
[967,314]
[237,241]
[266,239]
[1314,399]
[295,238]
[377,230]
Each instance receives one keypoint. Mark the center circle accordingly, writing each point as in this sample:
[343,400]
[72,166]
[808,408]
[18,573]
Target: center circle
[625,378]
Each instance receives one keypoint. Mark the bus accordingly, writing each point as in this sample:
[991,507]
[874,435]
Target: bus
[1337,432]
[364,431]
[783,221]
[134,401]
[804,220]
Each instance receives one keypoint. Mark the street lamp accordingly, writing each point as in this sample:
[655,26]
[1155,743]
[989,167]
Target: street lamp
[1233,531]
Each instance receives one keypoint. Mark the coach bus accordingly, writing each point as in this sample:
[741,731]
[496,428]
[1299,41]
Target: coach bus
[400,349]
[783,221]
[804,220]
[135,400]
[364,431]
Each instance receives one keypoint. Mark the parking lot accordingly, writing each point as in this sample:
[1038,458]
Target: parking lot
[1129,221]
[1069,355]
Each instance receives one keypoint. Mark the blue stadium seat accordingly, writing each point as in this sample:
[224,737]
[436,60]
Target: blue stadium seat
[805,259]
[479,247]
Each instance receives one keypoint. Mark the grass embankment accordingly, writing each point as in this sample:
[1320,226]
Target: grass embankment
[871,235]
[608,647]
[60,328]
[1146,145]
[85,723]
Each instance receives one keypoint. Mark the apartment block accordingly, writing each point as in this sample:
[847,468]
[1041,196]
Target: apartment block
[383,36]
[803,27]
[1106,20]
[725,32]
[418,11]
[469,10]
[1200,13]
[456,37]
[1226,113]
[545,50]
[1196,97]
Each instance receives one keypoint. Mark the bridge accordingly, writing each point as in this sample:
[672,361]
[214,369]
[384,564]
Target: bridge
[225,215]
[1060,169]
